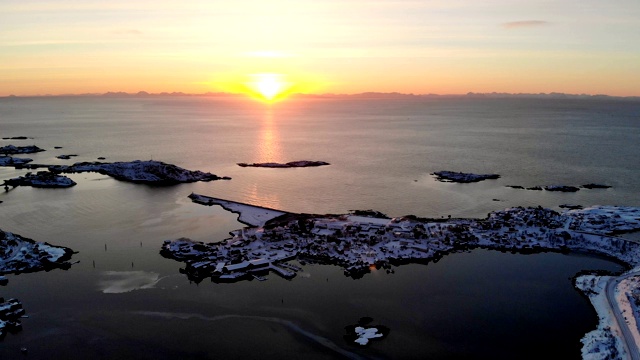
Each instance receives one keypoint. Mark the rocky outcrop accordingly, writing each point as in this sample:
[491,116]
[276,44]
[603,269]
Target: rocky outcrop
[10,313]
[41,179]
[16,138]
[65,157]
[12,161]
[146,172]
[292,164]
[595,186]
[11,149]
[561,188]
[20,255]
[460,177]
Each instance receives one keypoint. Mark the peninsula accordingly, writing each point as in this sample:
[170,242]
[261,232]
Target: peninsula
[358,243]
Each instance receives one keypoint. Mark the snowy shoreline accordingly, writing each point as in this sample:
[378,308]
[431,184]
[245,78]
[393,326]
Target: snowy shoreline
[358,243]
[22,255]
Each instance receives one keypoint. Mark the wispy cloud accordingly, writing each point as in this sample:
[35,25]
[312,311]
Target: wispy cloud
[524,24]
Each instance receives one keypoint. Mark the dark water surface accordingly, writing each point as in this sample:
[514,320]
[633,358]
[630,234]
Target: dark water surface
[135,304]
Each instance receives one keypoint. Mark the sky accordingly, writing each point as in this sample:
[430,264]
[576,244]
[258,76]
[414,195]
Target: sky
[321,46]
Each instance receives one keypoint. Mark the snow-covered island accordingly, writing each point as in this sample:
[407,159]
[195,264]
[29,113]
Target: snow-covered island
[291,164]
[358,243]
[13,161]
[41,179]
[561,188]
[146,172]
[460,177]
[20,255]
[11,149]
[10,313]
[65,157]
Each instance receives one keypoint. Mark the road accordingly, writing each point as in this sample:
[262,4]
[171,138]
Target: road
[628,340]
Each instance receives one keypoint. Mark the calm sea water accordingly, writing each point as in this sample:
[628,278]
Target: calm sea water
[134,304]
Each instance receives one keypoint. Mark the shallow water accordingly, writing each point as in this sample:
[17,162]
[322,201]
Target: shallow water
[124,300]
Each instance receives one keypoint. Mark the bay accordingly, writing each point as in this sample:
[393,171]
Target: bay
[134,303]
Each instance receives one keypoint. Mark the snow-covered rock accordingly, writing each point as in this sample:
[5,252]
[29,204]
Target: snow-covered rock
[11,149]
[357,243]
[19,254]
[12,161]
[10,311]
[41,179]
[148,172]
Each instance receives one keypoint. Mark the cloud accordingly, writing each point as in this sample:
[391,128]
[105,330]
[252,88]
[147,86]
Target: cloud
[524,24]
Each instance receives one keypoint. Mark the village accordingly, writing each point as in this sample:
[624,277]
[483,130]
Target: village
[362,241]
[365,240]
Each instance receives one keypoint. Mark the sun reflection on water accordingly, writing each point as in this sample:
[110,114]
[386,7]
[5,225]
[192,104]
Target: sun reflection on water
[267,150]
[269,145]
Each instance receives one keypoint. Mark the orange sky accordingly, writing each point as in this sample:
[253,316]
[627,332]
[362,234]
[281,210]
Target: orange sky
[349,46]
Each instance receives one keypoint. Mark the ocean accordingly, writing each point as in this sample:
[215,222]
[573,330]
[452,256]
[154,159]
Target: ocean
[123,300]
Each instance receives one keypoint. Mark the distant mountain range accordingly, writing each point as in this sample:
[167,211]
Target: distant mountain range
[364,95]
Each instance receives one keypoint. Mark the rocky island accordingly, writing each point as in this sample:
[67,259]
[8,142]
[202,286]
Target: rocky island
[10,313]
[595,186]
[561,188]
[145,172]
[292,164]
[41,179]
[65,157]
[21,255]
[11,149]
[460,177]
[12,161]
[16,138]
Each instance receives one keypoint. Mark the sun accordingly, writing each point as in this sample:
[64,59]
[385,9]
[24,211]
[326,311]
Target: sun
[269,87]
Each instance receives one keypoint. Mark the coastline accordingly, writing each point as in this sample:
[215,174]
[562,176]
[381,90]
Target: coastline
[267,244]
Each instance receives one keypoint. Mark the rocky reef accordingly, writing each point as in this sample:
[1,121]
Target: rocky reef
[460,177]
[561,188]
[292,164]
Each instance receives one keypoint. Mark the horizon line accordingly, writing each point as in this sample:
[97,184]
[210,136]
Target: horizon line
[394,94]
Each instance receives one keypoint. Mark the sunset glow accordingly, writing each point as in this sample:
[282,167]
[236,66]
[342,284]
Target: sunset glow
[420,47]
